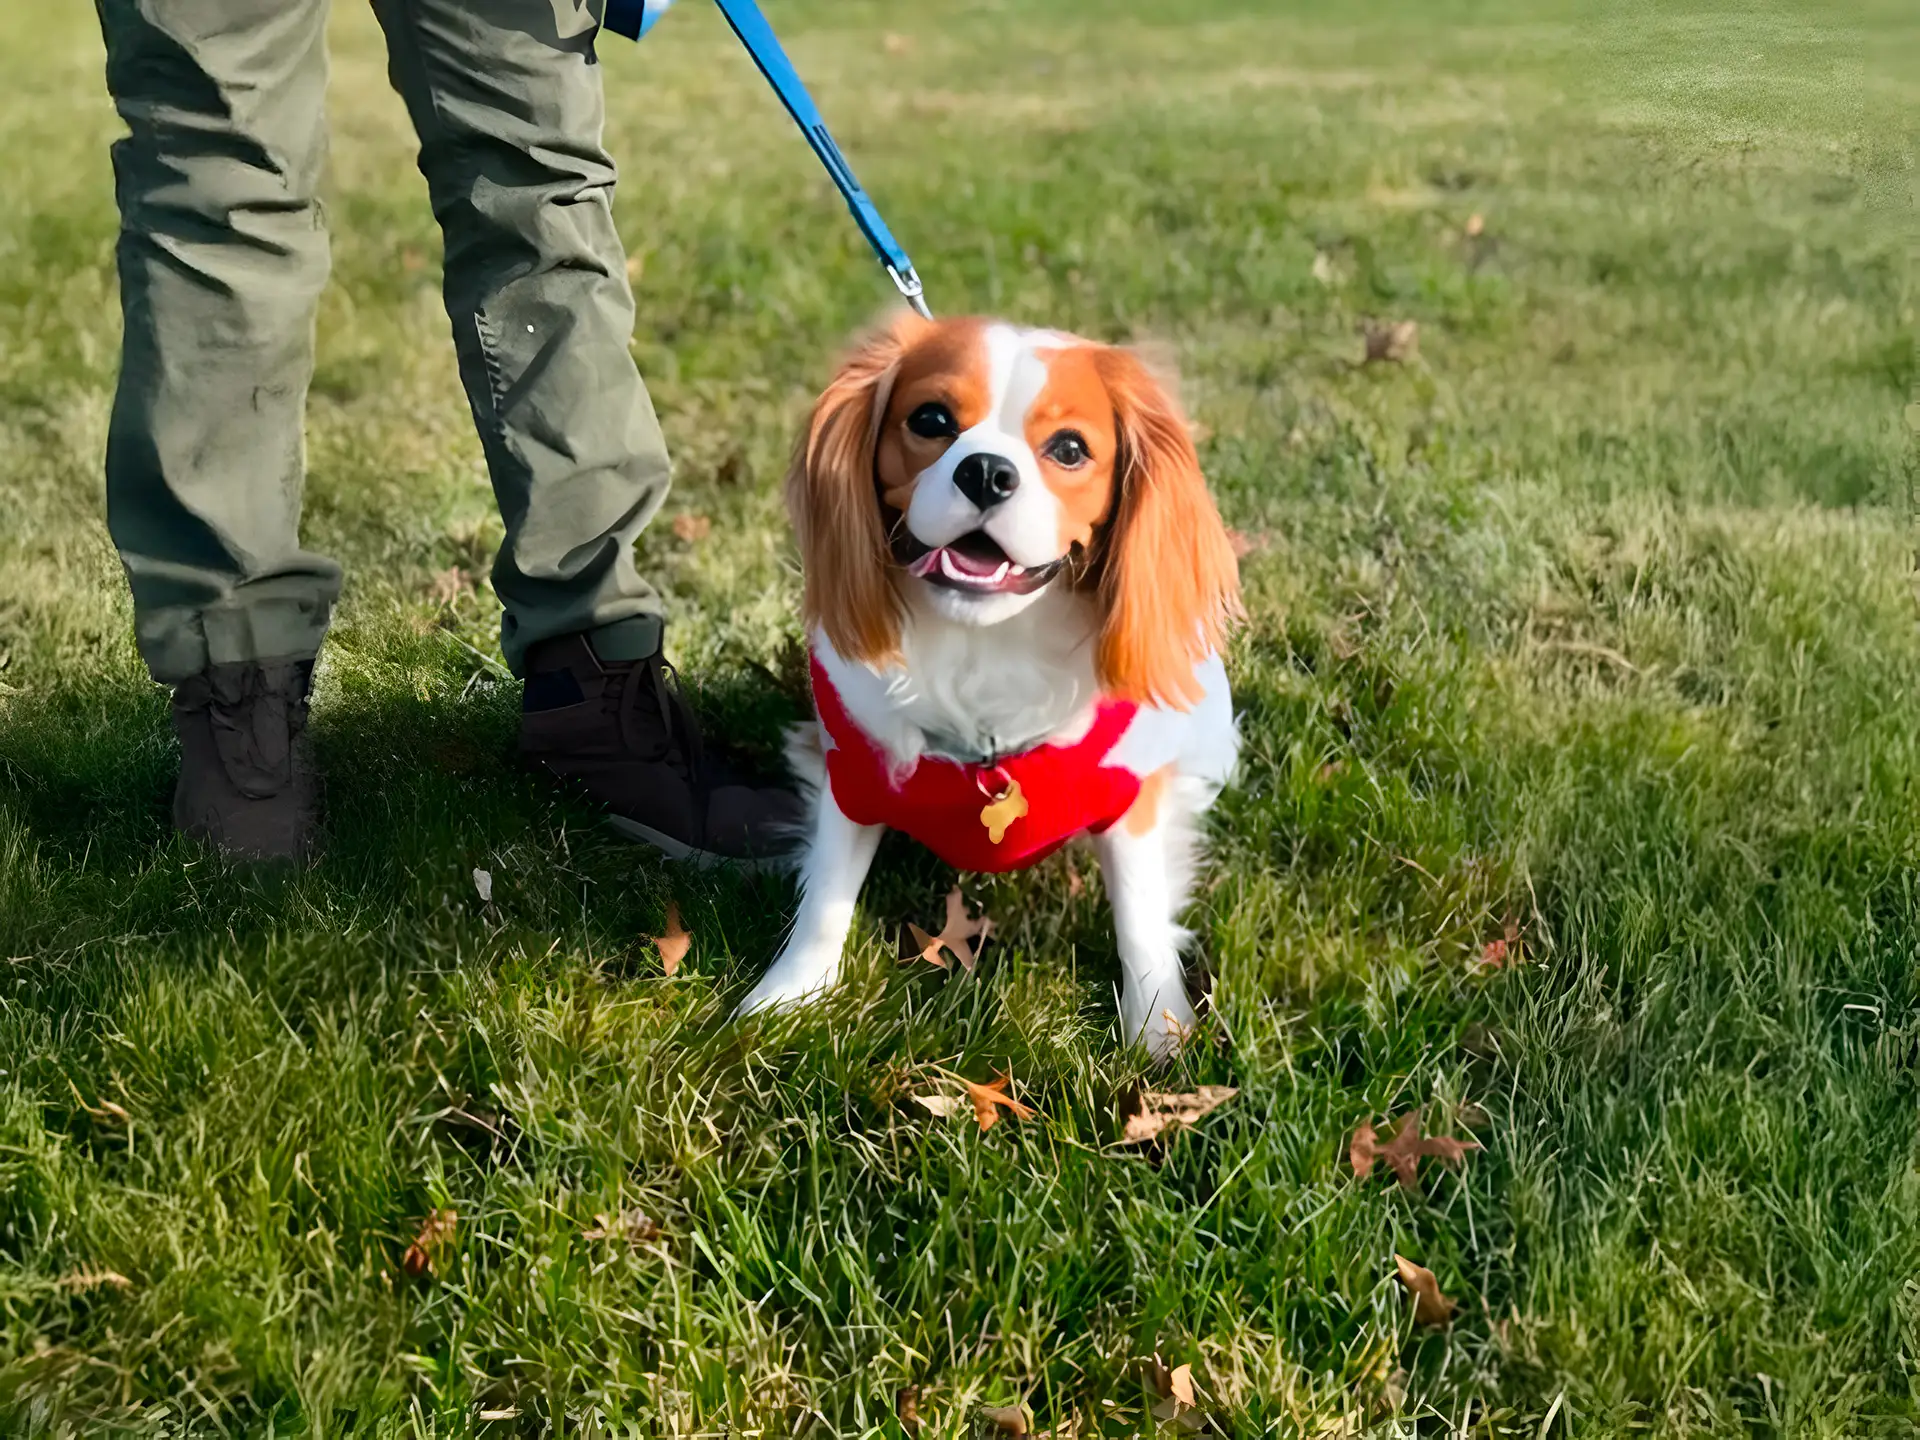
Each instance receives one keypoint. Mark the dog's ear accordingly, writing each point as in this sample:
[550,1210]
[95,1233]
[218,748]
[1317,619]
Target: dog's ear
[849,589]
[1168,582]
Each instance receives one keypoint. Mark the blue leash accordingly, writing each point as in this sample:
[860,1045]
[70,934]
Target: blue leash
[634,18]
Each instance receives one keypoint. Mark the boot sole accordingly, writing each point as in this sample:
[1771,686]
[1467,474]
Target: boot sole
[701,859]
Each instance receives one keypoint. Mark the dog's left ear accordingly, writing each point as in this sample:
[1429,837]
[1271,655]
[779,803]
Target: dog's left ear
[1169,585]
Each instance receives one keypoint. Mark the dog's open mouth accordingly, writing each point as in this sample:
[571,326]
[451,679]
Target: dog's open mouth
[975,562]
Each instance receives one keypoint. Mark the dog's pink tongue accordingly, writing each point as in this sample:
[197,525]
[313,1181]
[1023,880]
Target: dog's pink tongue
[972,564]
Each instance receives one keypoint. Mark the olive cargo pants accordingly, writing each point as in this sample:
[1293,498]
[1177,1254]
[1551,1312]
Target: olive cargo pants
[222,256]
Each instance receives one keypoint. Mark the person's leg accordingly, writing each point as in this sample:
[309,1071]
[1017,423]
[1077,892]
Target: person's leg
[506,97]
[222,256]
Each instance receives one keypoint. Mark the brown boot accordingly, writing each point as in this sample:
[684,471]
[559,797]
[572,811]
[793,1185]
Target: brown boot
[247,783]
[619,728]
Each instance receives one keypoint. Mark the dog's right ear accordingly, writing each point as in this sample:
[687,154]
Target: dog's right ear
[848,582]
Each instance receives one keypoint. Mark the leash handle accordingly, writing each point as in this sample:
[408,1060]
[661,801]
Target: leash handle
[634,18]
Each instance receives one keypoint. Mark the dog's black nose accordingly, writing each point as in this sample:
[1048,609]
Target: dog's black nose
[986,479]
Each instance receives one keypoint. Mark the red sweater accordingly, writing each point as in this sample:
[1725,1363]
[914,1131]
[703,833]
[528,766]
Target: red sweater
[1068,789]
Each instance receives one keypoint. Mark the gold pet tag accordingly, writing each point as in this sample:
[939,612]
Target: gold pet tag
[1009,807]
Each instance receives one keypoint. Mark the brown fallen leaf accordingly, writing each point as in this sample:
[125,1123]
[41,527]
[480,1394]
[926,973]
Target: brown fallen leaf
[990,1097]
[449,585]
[87,1278]
[1008,1419]
[956,935]
[435,1231]
[1504,949]
[1245,544]
[1180,1384]
[636,266]
[1475,224]
[1430,1307]
[634,1226]
[690,528]
[1391,340]
[1404,1151]
[1160,1110]
[931,950]
[906,1408]
[673,945]
[896,44]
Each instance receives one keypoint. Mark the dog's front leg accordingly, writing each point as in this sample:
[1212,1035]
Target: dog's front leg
[838,856]
[1145,868]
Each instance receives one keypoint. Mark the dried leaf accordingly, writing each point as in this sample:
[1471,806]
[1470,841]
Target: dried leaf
[634,1226]
[636,267]
[1363,1149]
[1430,1307]
[1180,1384]
[1159,1110]
[1245,544]
[1475,224]
[483,882]
[87,1278]
[906,1408]
[435,1231]
[1076,886]
[449,585]
[931,950]
[412,259]
[955,935]
[897,44]
[1391,340]
[511,1412]
[945,1106]
[673,945]
[1404,1151]
[1503,950]
[691,529]
[1010,1419]
[988,1099]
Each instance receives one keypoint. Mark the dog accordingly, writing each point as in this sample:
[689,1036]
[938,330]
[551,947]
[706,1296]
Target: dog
[1016,588]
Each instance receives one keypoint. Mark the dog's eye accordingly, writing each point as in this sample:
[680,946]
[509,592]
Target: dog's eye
[933,421]
[1068,450]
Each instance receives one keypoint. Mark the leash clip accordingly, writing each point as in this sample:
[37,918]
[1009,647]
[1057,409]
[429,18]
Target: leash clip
[909,286]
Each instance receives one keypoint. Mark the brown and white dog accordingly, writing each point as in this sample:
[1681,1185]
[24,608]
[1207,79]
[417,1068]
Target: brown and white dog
[1016,591]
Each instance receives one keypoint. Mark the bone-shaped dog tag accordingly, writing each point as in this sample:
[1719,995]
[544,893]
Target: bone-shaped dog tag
[1008,808]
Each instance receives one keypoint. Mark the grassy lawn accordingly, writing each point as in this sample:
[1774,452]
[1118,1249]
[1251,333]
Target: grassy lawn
[1590,623]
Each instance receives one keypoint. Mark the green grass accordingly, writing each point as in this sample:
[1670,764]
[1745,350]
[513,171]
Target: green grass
[1596,618]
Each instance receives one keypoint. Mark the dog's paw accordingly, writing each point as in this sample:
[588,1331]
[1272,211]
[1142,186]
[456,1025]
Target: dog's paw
[1157,1015]
[793,979]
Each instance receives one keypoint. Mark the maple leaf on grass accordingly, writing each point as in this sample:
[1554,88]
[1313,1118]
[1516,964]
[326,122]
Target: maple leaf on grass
[1159,1110]
[1404,1151]
[1503,950]
[1430,1307]
[435,1232]
[673,945]
[990,1098]
[955,935]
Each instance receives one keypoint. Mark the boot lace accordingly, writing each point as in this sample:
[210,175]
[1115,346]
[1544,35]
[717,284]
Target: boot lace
[648,681]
